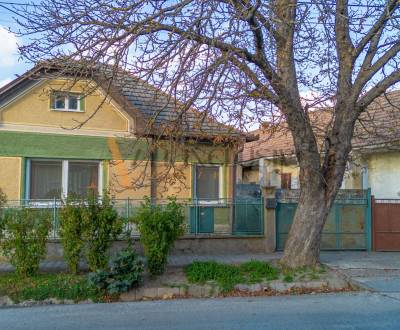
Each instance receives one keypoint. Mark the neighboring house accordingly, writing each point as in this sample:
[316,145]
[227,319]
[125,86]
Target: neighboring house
[45,154]
[375,158]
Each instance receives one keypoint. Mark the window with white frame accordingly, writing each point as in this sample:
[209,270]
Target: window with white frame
[208,182]
[63,101]
[48,179]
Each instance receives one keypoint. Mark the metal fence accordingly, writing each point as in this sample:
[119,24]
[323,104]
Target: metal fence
[348,226]
[202,217]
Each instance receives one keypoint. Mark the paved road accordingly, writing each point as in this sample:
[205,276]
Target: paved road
[345,310]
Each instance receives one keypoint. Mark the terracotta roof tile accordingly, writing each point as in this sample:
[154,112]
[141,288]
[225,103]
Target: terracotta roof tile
[379,125]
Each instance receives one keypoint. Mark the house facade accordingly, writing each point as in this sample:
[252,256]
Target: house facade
[60,135]
[374,161]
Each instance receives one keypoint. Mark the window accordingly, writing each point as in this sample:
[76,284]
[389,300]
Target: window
[50,179]
[66,101]
[82,178]
[286,181]
[45,179]
[207,185]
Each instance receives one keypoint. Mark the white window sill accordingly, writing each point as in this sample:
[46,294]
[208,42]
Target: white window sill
[67,110]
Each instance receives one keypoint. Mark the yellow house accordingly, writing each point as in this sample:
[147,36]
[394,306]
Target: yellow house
[60,134]
[374,163]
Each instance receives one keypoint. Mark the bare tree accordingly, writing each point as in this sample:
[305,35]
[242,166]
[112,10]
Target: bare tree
[244,62]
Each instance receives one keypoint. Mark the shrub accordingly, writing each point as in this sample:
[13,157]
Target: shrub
[126,272]
[102,226]
[3,199]
[24,238]
[159,227]
[72,228]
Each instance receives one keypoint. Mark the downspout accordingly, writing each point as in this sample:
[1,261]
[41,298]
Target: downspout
[153,174]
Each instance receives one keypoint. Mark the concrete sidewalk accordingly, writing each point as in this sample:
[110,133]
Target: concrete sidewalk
[376,271]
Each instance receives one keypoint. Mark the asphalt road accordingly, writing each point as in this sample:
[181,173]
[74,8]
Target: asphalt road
[345,310]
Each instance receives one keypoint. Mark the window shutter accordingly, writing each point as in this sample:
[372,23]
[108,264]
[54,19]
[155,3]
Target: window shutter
[82,103]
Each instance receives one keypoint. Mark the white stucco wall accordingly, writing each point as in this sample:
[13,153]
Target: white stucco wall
[384,174]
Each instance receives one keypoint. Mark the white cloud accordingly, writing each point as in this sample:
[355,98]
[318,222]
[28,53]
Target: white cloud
[5,82]
[8,48]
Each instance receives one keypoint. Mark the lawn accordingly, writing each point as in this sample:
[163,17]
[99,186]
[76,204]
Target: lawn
[227,276]
[48,285]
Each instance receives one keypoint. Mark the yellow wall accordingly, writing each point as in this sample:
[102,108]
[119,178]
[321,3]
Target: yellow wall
[129,179]
[384,174]
[173,180]
[10,176]
[33,109]
[275,168]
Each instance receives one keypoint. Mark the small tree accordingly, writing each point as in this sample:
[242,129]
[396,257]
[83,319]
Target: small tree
[72,228]
[24,238]
[159,227]
[102,225]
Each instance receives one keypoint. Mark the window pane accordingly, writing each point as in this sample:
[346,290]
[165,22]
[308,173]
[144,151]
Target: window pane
[45,179]
[207,182]
[82,178]
[59,101]
[73,102]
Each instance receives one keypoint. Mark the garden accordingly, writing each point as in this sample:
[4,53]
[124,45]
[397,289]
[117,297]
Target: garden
[87,229]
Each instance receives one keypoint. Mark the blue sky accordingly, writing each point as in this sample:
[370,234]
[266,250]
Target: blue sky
[10,63]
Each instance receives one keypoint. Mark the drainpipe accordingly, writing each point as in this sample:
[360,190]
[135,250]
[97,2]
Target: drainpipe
[153,178]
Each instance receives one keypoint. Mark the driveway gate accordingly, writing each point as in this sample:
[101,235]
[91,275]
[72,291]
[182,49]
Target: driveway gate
[348,226]
[386,224]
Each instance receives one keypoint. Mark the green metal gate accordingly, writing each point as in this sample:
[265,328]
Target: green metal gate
[249,217]
[348,226]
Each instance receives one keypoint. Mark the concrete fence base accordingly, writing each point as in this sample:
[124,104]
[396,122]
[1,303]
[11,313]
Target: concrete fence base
[217,245]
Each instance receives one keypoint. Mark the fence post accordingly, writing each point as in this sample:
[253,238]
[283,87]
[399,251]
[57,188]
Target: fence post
[127,208]
[369,220]
[269,219]
[54,218]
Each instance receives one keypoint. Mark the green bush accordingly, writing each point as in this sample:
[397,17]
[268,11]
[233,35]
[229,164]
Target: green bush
[159,227]
[3,199]
[102,225]
[72,228]
[126,272]
[24,234]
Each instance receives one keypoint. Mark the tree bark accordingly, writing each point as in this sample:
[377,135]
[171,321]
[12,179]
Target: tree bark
[303,245]
[319,184]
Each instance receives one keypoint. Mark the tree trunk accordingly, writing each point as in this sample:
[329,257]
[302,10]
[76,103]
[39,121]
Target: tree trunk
[303,244]
[319,188]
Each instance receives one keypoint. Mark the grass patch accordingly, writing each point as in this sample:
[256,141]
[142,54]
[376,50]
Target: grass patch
[227,276]
[257,271]
[288,278]
[44,286]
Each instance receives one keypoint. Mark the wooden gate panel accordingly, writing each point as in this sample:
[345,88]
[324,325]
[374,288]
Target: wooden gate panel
[386,224]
